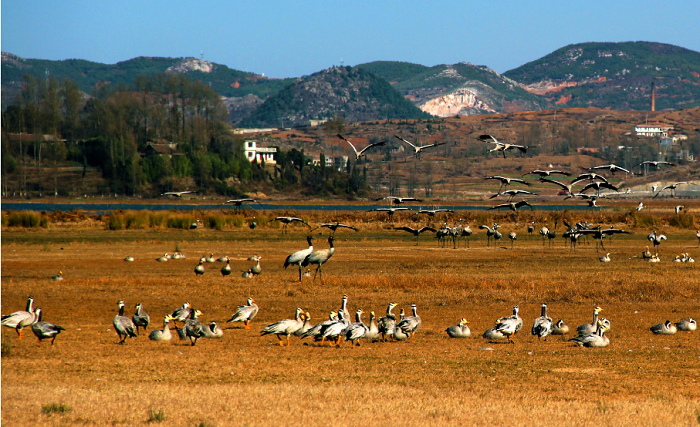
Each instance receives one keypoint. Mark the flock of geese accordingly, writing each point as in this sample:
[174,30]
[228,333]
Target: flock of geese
[337,327]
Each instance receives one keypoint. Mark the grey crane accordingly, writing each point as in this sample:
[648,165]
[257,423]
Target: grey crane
[320,257]
[505,181]
[416,231]
[418,148]
[298,257]
[286,220]
[671,187]
[500,146]
[362,152]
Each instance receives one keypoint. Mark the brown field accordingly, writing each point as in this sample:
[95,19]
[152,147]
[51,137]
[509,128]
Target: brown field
[245,379]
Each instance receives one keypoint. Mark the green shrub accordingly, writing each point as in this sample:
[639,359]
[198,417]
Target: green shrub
[55,408]
[154,416]
[26,220]
[215,221]
[115,222]
[156,219]
[180,222]
[646,221]
[4,219]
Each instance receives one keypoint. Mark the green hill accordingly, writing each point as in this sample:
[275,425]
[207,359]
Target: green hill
[354,93]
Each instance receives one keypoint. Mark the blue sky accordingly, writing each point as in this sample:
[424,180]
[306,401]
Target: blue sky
[291,39]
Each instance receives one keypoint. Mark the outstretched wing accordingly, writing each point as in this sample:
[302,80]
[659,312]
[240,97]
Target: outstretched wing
[346,140]
[488,138]
[376,144]
[405,141]
[406,228]
[427,229]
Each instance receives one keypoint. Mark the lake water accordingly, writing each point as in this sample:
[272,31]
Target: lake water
[102,208]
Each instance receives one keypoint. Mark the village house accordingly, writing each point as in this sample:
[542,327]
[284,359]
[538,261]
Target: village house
[653,129]
[259,154]
[160,147]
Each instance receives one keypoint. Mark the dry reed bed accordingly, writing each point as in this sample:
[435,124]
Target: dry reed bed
[640,379]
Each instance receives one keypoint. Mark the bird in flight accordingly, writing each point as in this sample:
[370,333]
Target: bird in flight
[671,187]
[239,202]
[419,148]
[506,181]
[398,200]
[362,152]
[285,220]
[513,193]
[512,206]
[177,193]
[334,226]
[612,168]
[543,173]
[500,146]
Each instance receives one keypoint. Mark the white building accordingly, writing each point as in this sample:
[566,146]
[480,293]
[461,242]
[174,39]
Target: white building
[259,154]
[653,129]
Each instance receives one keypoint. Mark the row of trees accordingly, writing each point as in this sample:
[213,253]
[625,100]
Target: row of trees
[111,128]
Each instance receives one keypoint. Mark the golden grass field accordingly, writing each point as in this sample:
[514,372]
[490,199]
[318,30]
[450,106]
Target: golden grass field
[245,379]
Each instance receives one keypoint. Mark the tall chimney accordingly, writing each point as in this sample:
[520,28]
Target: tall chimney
[653,97]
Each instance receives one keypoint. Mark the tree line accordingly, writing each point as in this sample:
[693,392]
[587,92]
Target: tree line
[111,128]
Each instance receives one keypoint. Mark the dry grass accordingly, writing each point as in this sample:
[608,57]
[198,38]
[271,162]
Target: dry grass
[244,379]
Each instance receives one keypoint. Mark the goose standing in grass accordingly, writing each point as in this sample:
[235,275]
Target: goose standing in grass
[387,323]
[43,330]
[410,324]
[315,330]
[298,257]
[181,314]
[163,258]
[687,325]
[666,328]
[212,330]
[372,330]
[334,331]
[13,320]
[124,326]
[226,269]
[605,258]
[320,257]
[510,325]
[400,335]
[193,327]
[245,313]
[141,318]
[129,259]
[256,269]
[357,330]
[560,328]
[593,339]
[162,334]
[589,328]
[306,317]
[224,258]
[58,277]
[284,327]
[344,306]
[543,324]
[460,330]
[199,269]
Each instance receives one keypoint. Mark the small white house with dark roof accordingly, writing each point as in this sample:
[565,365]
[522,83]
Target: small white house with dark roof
[653,129]
[259,154]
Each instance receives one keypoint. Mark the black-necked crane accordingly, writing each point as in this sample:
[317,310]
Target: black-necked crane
[598,185]
[399,200]
[320,257]
[505,181]
[500,146]
[418,148]
[512,206]
[362,152]
[286,220]
[590,176]
[467,233]
[552,234]
[195,225]
[432,212]
[512,236]
[238,203]
[298,257]
[565,187]
[513,193]
[671,187]
[543,173]
[334,226]
[389,211]
[490,232]
[612,168]
[656,240]
[177,193]
[599,234]
[416,231]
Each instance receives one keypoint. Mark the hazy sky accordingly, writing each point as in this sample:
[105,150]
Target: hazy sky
[295,38]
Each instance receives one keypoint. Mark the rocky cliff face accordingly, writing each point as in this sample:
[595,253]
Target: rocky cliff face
[191,64]
[465,101]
